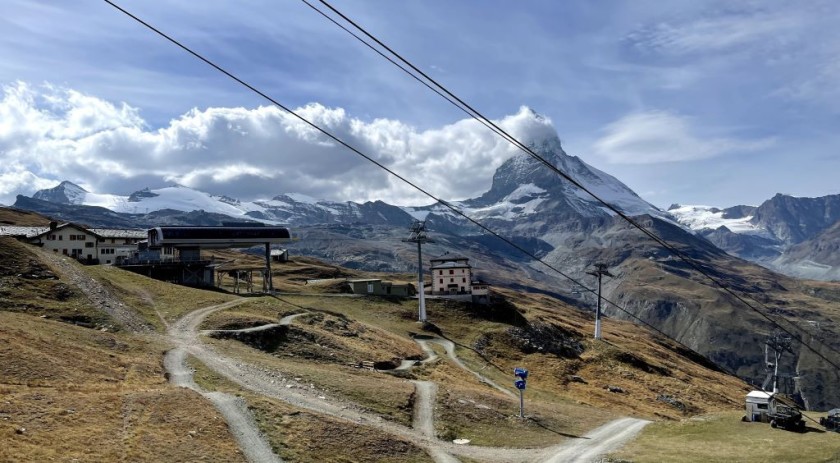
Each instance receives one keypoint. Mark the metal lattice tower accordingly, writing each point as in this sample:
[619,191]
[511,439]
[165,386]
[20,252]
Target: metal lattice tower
[779,344]
[418,235]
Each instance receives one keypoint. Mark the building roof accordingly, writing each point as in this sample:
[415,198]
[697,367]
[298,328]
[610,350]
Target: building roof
[7,230]
[119,233]
[447,256]
[46,230]
[759,395]
[451,265]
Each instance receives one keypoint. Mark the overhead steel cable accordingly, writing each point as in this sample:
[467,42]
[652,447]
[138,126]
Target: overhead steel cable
[403,179]
[472,112]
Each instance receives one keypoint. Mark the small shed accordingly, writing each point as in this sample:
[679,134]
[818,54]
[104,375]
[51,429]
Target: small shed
[377,287]
[758,406]
[280,255]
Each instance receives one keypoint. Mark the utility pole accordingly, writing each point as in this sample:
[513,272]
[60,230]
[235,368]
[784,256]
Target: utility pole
[600,271]
[418,235]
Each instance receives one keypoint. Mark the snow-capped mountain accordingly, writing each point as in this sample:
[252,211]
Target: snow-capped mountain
[785,233]
[523,186]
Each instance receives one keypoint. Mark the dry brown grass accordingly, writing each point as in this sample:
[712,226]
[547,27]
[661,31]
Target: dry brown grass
[301,436]
[21,218]
[29,286]
[157,301]
[96,396]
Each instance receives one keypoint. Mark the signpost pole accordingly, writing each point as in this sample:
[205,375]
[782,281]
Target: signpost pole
[521,383]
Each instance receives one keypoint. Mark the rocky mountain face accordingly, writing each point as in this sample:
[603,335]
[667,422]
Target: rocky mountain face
[65,193]
[774,234]
[567,229]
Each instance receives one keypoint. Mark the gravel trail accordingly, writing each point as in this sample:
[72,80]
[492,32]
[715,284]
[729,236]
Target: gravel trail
[424,418]
[239,419]
[271,384]
[598,442]
[99,296]
[449,346]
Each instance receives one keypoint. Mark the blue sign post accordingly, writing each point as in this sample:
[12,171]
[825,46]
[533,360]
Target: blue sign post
[520,383]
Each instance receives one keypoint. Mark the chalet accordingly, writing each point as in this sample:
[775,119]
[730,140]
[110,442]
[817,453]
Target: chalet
[68,239]
[90,245]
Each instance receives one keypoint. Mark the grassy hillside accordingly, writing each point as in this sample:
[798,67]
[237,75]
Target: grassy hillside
[72,390]
[19,217]
[724,437]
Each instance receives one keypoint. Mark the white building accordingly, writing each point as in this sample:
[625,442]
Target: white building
[116,244]
[92,245]
[451,274]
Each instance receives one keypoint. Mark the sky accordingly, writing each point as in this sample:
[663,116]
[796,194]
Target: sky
[691,102]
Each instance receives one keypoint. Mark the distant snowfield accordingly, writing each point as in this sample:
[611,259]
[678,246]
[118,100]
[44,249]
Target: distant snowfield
[701,217]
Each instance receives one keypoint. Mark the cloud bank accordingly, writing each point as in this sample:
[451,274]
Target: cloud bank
[49,134]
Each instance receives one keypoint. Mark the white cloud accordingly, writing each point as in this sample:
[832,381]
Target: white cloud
[659,136]
[49,134]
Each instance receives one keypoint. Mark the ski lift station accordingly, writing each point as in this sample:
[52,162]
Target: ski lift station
[187,242]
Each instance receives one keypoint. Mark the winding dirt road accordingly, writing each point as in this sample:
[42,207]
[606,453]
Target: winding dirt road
[261,381]
[449,346]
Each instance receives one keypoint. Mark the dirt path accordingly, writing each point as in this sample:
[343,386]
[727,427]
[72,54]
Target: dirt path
[264,382]
[239,419]
[99,296]
[424,417]
[598,442]
[449,346]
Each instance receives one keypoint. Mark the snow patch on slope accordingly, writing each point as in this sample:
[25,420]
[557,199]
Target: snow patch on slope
[520,202]
[707,217]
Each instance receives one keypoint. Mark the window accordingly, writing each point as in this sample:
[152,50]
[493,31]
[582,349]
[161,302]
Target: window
[60,237]
[72,237]
[452,280]
[761,406]
[441,280]
[64,251]
[89,244]
[370,288]
[463,280]
[440,272]
[451,272]
[101,240]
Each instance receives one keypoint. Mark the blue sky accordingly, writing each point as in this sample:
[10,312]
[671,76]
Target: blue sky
[696,102]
